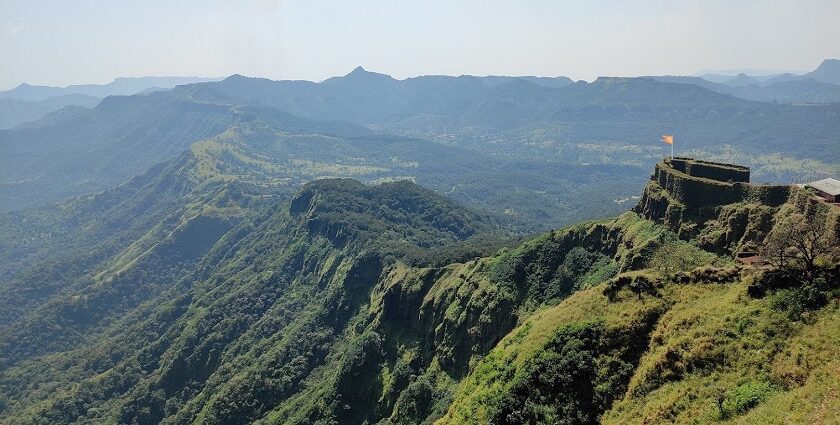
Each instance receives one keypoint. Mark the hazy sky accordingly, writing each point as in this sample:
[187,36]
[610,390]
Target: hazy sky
[81,41]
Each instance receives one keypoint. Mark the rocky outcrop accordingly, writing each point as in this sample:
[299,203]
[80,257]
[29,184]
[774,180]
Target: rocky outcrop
[690,199]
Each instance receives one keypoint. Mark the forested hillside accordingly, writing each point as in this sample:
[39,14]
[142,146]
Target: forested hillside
[625,110]
[279,151]
[510,123]
[549,212]
[17,111]
[352,303]
[308,260]
[76,151]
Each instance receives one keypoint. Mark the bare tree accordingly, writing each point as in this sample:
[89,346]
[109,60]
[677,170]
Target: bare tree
[799,243]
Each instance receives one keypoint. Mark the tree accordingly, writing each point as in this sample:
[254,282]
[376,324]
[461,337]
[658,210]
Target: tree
[799,244]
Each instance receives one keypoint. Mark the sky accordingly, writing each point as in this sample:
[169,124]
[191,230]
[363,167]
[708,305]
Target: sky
[65,42]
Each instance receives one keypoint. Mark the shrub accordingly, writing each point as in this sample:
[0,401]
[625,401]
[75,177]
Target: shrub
[639,284]
[743,398]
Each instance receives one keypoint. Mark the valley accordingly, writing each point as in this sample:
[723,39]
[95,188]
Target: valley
[283,314]
[431,250]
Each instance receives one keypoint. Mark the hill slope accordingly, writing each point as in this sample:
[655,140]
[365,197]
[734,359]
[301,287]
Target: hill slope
[671,343]
[118,87]
[308,261]
[612,120]
[76,151]
[385,304]
[17,111]
[827,72]
[608,109]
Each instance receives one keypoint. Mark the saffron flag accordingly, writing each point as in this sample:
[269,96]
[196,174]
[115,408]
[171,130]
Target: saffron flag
[668,139]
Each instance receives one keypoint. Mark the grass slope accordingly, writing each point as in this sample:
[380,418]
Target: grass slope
[352,303]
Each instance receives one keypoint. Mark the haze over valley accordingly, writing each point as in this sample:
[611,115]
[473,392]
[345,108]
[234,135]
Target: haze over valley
[266,242]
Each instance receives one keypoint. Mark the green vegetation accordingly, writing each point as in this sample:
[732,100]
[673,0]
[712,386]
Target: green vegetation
[214,264]
[578,138]
[297,306]
[722,343]
[243,283]
[290,278]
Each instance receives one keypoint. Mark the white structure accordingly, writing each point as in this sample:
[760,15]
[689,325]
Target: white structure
[829,189]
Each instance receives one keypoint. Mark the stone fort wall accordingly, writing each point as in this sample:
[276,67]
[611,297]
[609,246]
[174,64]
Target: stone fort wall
[710,170]
[698,184]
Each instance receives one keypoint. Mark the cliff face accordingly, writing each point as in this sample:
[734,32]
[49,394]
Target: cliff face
[425,328]
[666,341]
[329,310]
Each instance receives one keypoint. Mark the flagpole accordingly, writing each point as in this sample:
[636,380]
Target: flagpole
[669,139]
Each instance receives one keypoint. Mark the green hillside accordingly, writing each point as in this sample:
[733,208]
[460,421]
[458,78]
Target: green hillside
[308,261]
[71,269]
[687,337]
[280,151]
[353,303]
[128,244]
[76,151]
[519,116]
[510,123]
[460,234]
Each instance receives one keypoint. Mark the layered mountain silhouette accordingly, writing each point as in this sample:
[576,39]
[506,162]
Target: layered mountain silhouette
[120,87]
[17,111]
[448,250]
[27,103]
[827,72]
[75,151]
[818,86]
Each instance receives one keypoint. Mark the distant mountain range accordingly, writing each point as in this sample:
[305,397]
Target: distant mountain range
[518,123]
[16,111]
[632,110]
[821,85]
[827,72]
[783,88]
[29,102]
[26,103]
[120,86]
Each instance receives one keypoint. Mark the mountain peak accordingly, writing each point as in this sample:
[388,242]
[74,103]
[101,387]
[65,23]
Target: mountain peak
[381,210]
[361,75]
[827,72]
[741,79]
[360,72]
[242,79]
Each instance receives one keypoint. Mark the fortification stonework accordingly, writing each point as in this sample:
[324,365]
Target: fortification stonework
[703,184]
[718,171]
[726,216]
